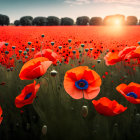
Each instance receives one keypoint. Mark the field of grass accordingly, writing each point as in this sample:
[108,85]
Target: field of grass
[54,107]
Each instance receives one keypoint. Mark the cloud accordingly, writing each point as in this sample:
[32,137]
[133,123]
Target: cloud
[77,2]
[134,2]
[82,2]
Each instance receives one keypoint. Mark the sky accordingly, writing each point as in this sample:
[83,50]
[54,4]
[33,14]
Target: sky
[68,8]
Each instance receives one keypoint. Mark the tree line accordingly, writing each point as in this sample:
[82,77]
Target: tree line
[66,21]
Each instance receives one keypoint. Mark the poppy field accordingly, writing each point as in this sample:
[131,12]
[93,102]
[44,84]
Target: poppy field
[70,83]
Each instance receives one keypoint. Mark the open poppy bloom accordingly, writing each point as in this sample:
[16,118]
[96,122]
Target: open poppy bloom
[112,58]
[131,92]
[82,82]
[106,107]
[134,54]
[1,118]
[127,51]
[47,53]
[27,95]
[34,68]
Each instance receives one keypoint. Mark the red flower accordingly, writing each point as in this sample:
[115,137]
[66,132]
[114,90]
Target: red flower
[112,58]
[52,56]
[34,68]
[126,52]
[134,54]
[27,95]
[106,107]
[131,92]
[1,118]
[82,82]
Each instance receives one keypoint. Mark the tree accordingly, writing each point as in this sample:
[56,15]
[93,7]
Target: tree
[4,20]
[53,21]
[26,20]
[131,20]
[84,20]
[96,21]
[40,21]
[16,22]
[67,21]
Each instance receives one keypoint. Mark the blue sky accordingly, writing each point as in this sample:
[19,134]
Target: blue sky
[68,8]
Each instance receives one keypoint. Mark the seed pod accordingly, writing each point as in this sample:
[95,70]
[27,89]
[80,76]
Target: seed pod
[29,43]
[44,130]
[60,47]
[24,52]
[27,49]
[53,73]
[83,45]
[42,35]
[20,51]
[98,61]
[69,40]
[33,49]
[84,111]
[6,52]
[13,47]
[6,44]
[52,43]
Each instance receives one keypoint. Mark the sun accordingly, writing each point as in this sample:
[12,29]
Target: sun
[117,22]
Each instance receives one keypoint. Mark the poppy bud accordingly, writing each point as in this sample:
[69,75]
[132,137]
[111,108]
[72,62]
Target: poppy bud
[10,58]
[42,35]
[8,69]
[44,130]
[69,40]
[98,61]
[11,68]
[13,47]
[27,49]
[53,73]
[84,111]
[6,52]
[74,51]
[137,117]
[86,49]
[24,52]
[80,51]
[52,43]
[115,125]
[26,56]
[17,124]
[19,61]
[91,49]
[6,44]
[29,43]
[28,126]
[20,51]
[60,47]
[107,50]
[139,43]
[70,47]
[33,49]
[82,45]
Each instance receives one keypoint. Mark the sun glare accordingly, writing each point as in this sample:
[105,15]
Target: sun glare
[117,22]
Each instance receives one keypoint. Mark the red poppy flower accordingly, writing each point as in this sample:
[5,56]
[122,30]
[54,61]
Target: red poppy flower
[1,118]
[112,58]
[47,53]
[131,92]
[134,54]
[27,95]
[126,51]
[106,107]
[82,82]
[34,68]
